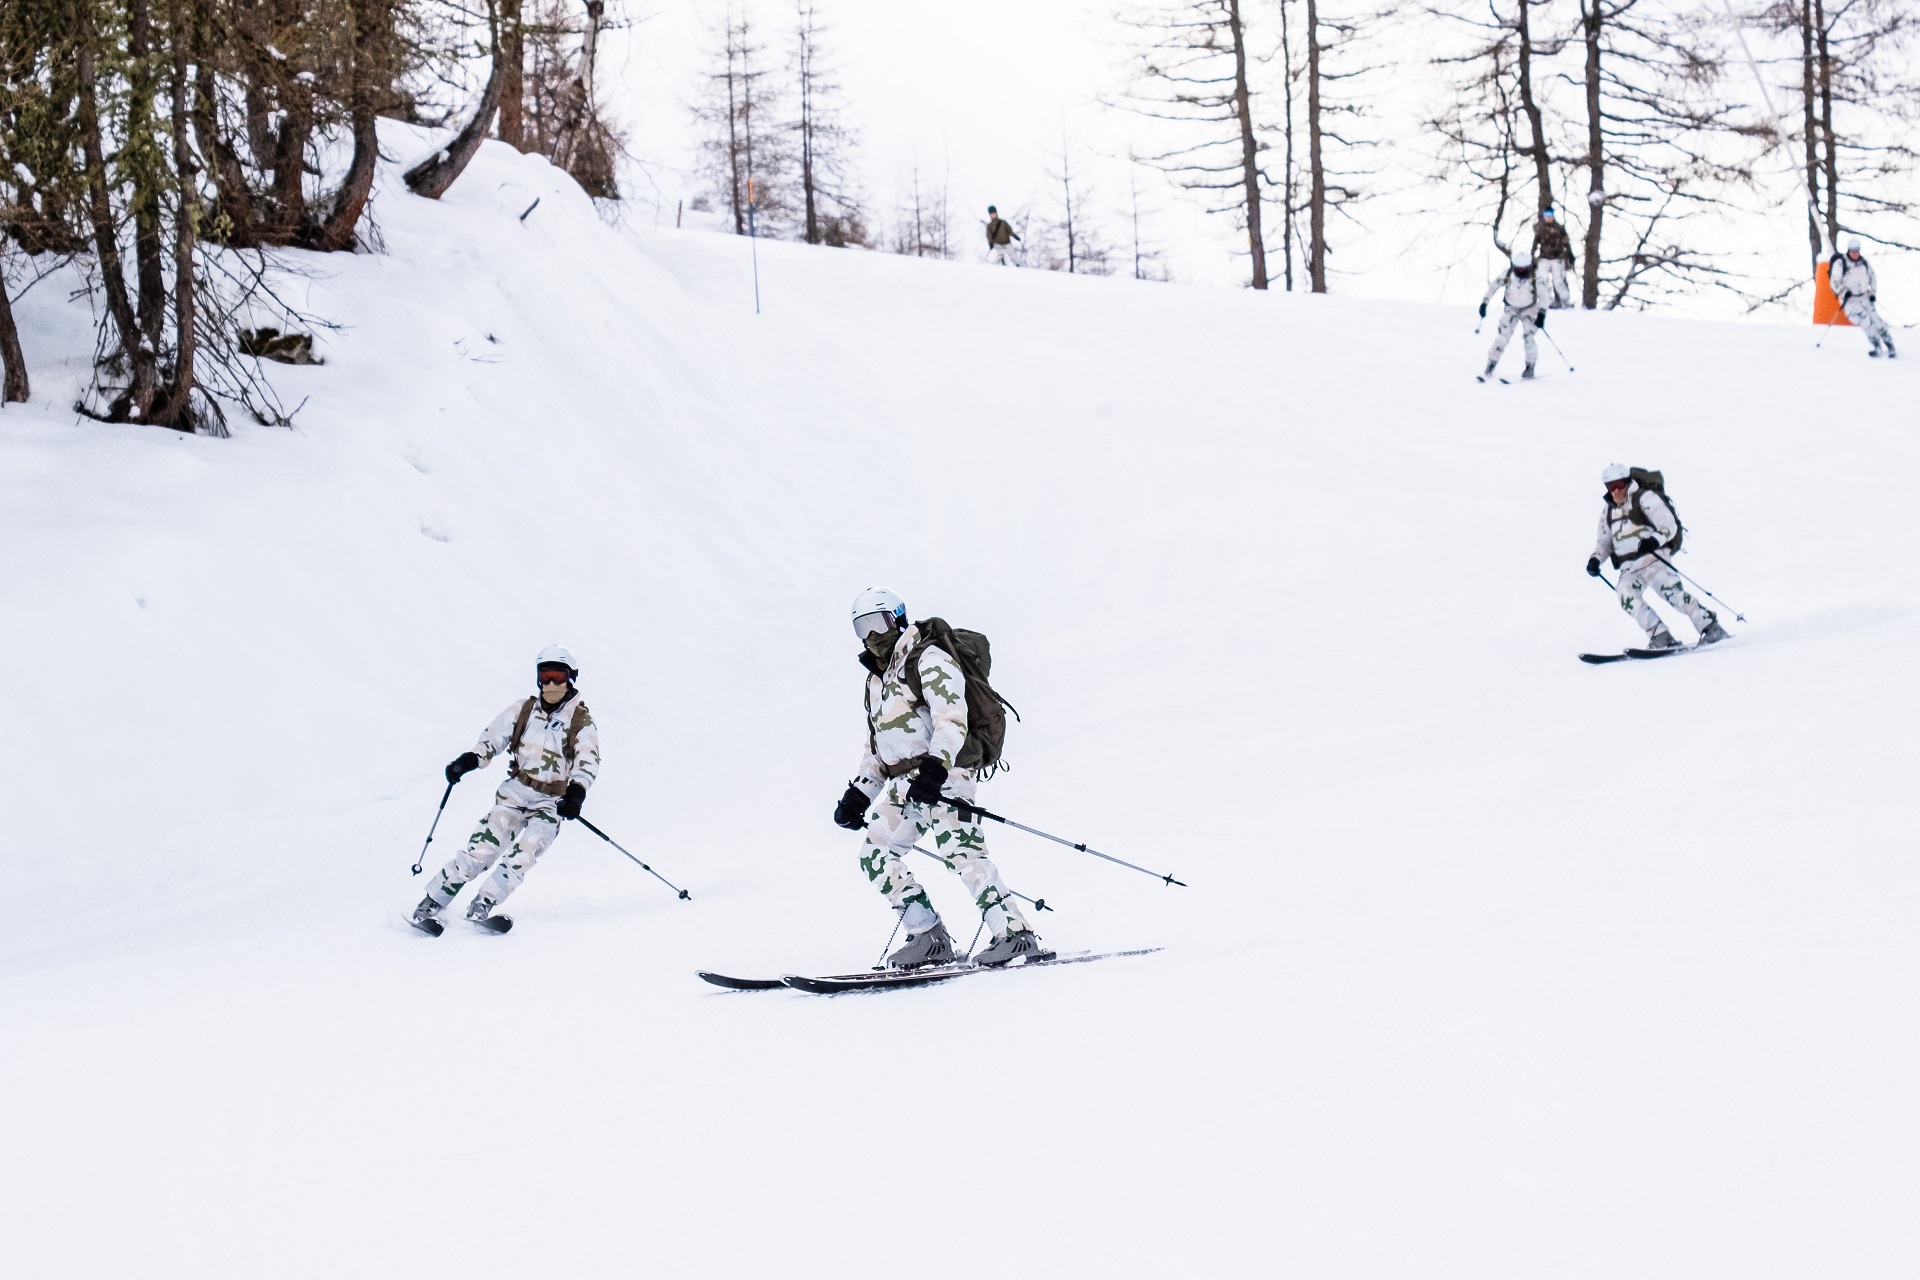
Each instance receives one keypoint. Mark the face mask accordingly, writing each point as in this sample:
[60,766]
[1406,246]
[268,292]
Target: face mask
[553,694]
[880,643]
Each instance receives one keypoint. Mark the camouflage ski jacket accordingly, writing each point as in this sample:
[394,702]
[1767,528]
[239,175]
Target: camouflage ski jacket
[1851,279]
[1521,293]
[1621,534]
[1550,242]
[542,762]
[900,730]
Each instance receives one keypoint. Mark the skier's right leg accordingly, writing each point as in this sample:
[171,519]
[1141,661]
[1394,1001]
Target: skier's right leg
[893,826]
[1501,336]
[495,832]
[1633,600]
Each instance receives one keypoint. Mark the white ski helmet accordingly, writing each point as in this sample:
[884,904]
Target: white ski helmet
[1616,473]
[1522,259]
[879,600]
[557,655]
[1853,244]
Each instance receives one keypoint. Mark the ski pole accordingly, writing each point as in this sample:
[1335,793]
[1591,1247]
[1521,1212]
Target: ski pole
[754,237]
[969,808]
[422,859]
[643,866]
[1039,904]
[1556,348]
[1603,578]
[1824,330]
[1738,616]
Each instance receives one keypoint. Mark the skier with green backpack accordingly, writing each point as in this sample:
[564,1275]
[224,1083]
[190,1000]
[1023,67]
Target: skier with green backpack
[1639,529]
[934,730]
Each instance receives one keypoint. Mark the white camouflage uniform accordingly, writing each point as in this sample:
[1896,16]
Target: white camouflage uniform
[1522,303]
[525,817]
[1619,542]
[903,732]
[1855,285]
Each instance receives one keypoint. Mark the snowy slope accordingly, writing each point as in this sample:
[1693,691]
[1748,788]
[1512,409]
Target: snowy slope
[1493,964]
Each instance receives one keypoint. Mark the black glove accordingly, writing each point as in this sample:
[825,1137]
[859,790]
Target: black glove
[1646,548]
[961,807]
[927,781]
[1540,321]
[570,803]
[851,812]
[1593,566]
[463,764]
[1483,308]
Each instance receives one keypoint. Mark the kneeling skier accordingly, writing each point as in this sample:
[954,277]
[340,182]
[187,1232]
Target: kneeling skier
[917,764]
[1637,522]
[553,755]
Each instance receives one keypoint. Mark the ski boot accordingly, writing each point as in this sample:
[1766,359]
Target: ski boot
[1714,633]
[426,917]
[929,946]
[1891,353]
[1489,372]
[1873,352]
[1021,944]
[478,913]
[1526,373]
[1662,639]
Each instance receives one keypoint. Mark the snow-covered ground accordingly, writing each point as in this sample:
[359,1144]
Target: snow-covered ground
[1493,964]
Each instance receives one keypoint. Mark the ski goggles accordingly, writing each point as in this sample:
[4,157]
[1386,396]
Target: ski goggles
[872,624]
[554,675]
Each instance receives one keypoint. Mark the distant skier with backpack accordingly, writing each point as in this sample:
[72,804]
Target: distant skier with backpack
[553,756]
[1553,252]
[1638,528]
[923,762]
[1523,311]
[1000,238]
[1855,285]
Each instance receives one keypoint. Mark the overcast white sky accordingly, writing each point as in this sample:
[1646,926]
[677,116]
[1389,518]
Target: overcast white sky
[986,88]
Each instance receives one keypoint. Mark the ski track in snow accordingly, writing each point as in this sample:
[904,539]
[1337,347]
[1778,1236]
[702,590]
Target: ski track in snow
[1493,964]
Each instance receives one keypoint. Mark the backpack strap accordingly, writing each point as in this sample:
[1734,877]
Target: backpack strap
[573,731]
[519,732]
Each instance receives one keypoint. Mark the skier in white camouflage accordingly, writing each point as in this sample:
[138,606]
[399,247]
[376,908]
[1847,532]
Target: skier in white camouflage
[1524,311]
[910,776]
[1637,524]
[1857,288]
[553,756]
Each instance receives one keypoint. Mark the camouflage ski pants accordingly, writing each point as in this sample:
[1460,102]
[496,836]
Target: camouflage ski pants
[1523,317]
[893,827]
[1553,282]
[515,832]
[1866,318]
[1652,576]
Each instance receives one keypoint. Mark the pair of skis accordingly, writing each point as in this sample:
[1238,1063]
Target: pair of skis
[893,979]
[1646,655]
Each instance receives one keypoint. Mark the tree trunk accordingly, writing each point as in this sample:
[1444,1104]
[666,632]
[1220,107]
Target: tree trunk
[513,51]
[15,360]
[1287,187]
[1592,17]
[806,126]
[1249,146]
[432,176]
[1810,124]
[233,194]
[1826,127]
[147,175]
[372,23]
[175,408]
[106,244]
[1542,171]
[1316,169]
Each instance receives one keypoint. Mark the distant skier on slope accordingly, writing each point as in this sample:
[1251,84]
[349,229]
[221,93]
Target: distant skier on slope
[1523,309]
[1553,251]
[1000,238]
[553,756]
[920,757]
[1638,524]
[1854,284]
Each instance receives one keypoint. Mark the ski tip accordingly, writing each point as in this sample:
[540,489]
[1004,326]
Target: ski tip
[739,984]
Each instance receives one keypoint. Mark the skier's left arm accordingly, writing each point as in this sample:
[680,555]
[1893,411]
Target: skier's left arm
[1660,516]
[586,753]
[945,690]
